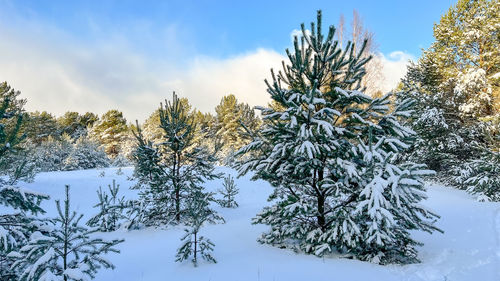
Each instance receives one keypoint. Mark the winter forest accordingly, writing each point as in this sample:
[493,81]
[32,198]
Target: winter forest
[331,178]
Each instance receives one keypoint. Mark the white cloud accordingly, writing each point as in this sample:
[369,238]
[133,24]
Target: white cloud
[56,74]
[207,80]
[298,33]
[394,68]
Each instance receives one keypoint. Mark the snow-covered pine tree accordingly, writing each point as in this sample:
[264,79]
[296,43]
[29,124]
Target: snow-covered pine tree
[481,177]
[154,203]
[448,137]
[187,163]
[467,43]
[198,212]
[151,127]
[51,153]
[456,85]
[39,126]
[64,252]
[111,209]
[121,161]
[228,192]
[312,150]
[76,125]
[17,203]
[128,146]
[85,154]
[20,164]
[385,218]
[170,171]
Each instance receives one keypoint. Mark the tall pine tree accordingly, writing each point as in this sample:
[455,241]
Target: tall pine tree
[456,86]
[330,152]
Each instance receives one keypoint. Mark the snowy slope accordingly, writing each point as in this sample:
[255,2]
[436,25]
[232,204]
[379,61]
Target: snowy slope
[468,250]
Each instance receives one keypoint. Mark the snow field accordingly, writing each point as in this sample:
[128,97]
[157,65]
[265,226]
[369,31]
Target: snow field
[468,250]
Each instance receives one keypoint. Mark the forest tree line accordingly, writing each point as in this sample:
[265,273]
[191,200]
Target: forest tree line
[82,141]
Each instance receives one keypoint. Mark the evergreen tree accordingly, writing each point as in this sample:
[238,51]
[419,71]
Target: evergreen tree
[85,154]
[152,126]
[66,251]
[466,57]
[152,183]
[330,153]
[69,124]
[229,192]
[230,117]
[16,104]
[198,213]
[187,164]
[15,107]
[17,203]
[63,154]
[110,131]
[444,140]
[457,111]
[88,119]
[18,164]
[384,225]
[171,170]
[111,209]
[75,125]
[51,154]
[39,126]
[205,134]
[481,176]
[467,37]
[128,145]
[121,161]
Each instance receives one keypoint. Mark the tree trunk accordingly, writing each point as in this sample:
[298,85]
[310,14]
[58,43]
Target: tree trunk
[321,212]
[321,203]
[177,190]
[66,234]
[195,246]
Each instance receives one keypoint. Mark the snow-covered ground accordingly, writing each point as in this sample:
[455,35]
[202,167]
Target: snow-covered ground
[468,250]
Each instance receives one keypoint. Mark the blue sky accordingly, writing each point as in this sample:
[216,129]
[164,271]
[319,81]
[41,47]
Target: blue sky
[163,44]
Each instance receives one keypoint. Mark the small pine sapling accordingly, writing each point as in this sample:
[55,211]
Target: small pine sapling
[229,192]
[134,214]
[64,251]
[198,213]
[110,209]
